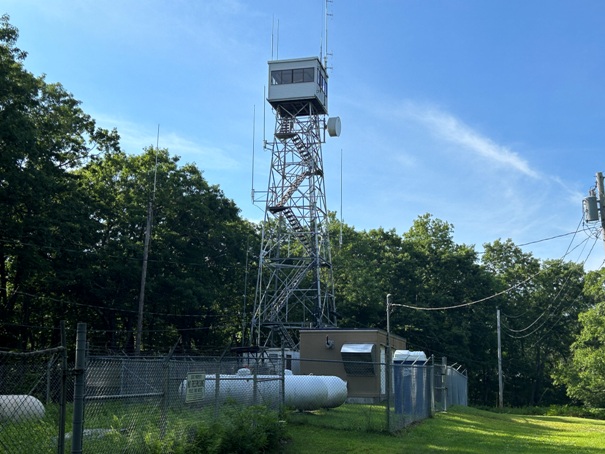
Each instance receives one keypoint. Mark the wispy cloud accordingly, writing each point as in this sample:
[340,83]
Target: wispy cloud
[571,194]
[134,137]
[451,129]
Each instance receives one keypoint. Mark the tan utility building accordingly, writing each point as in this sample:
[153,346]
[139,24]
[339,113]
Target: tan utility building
[358,356]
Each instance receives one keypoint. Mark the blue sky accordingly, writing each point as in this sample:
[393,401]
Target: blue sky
[487,114]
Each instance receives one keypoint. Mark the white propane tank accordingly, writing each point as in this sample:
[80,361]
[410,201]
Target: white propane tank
[19,407]
[303,392]
[236,387]
[337,391]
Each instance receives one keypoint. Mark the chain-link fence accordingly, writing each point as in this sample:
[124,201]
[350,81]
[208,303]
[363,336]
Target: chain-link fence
[124,404]
[34,389]
[412,394]
[382,396]
[138,405]
[141,404]
[457,387]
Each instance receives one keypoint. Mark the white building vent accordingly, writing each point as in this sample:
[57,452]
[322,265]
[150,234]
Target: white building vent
[359,359]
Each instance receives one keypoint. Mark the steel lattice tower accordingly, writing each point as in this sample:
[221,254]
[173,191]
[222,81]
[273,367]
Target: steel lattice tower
[295,286]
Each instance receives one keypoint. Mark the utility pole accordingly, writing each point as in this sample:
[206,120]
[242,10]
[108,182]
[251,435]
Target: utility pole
[500,386]
[139,336]
[601,200]
[594,206]
[388,319]
[388,362]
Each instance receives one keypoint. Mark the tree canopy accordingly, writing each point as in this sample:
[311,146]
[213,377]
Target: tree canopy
[583,372]
[75,208]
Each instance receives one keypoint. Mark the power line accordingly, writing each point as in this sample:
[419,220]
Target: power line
[457,306]
[590,230]
[550,306]
[92,306]
[567,252]
[553,237]
[116,331]
[20,243]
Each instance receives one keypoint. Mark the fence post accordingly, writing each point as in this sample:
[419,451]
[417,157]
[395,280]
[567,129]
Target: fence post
[255,387]
[217,391]
[49,368]
[63,389]
[444,381]
[282,385]
[432,385]
[79,390]
[165,397]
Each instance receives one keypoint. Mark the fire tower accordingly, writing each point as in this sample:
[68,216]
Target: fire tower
[295,286]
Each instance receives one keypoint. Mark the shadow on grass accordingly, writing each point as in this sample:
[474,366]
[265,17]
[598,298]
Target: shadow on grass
[460,430]
[367,418]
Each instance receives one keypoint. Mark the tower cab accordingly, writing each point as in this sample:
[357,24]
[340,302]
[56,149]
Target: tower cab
[298,87]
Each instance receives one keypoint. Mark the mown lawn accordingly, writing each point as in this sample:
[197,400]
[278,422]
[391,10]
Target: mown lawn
[460,430]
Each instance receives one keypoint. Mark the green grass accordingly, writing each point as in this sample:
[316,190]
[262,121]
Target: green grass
[349,428]
[356,417]
[113,425]
[460,430]
[118,426]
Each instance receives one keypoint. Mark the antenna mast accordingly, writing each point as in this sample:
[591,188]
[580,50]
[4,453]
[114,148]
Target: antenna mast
[139,334]
[341,215]
[253,140]
[326,15]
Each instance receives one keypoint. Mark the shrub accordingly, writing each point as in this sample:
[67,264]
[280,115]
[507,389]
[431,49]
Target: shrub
[237,430]
[207,439]
[572,410]
[553,410]
[251,430]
